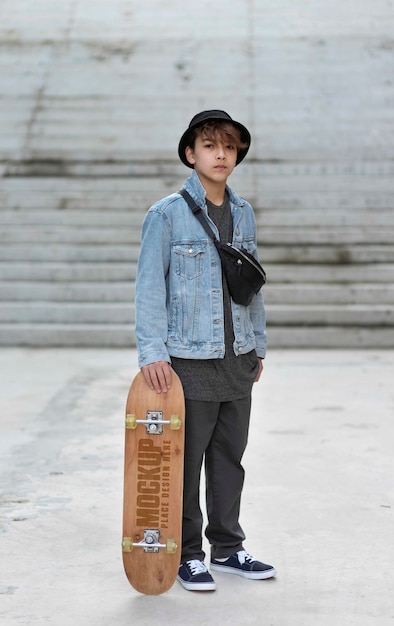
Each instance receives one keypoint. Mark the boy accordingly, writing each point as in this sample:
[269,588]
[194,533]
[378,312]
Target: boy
[186,320]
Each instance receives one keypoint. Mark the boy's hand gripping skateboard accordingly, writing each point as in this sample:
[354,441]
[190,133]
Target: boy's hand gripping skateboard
[153,485]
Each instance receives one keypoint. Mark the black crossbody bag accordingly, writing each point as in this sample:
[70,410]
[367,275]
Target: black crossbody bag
[243,273]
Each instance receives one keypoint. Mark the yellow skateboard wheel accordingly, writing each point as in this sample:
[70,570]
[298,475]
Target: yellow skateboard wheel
[175,422]
[131,421]
[171,546]
[127,544]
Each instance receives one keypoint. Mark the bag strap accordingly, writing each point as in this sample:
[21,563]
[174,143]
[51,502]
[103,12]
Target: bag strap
[197,210]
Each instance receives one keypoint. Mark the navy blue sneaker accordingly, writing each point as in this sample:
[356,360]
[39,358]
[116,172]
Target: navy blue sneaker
[243,564]
[194,576]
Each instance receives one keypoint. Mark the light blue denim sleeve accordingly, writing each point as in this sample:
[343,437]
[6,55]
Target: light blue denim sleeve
[257,308]
[151,289]
[257,316]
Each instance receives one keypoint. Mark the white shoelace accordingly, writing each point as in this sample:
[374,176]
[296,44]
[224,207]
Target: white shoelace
[245,556]
[197,567]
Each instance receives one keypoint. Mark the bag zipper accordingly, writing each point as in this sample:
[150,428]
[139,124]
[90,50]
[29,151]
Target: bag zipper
[253,261]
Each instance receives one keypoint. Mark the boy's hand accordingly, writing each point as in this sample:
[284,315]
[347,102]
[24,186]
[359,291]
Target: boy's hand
[260,369]
[158,376]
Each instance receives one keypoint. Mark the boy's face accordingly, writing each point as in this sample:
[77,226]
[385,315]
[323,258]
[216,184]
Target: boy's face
[213,159]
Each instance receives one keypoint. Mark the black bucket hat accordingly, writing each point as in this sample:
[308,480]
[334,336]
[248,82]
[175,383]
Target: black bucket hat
[207,116]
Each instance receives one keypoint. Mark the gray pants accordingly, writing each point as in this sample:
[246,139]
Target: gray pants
[218,430]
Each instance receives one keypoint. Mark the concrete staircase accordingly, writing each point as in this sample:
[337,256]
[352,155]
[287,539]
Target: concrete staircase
[68,257]
[69,248]
[329,285]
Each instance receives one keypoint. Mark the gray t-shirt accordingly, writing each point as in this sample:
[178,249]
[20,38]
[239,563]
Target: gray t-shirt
[230,378]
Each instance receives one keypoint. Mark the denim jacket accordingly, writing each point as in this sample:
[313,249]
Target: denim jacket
[179,293]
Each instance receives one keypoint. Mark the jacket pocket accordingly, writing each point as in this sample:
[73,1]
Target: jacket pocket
[189,259]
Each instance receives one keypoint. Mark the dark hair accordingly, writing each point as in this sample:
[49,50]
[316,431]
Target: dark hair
[217,130]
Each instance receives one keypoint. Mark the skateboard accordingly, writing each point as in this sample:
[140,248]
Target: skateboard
[153,485]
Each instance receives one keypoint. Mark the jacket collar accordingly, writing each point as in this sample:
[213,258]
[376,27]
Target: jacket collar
[194,187]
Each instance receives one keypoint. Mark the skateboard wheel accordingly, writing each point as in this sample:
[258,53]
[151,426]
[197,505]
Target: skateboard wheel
[171,546]
[131,421]
[127,544]
[175,422]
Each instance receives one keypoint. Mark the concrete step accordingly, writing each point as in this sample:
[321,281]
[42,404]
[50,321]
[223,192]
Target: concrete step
[308,315]
[341,274]
[31,291]
[329,293]
[113,271]
[122,335]
[34,313]
[325,254]
[68,272]
[282,254]
[300,217]
[70,235]
[100,335]
[299,337]
[132,233]
[325,235]
[96,193]
[277,293]
[23,186]
[69,253]
[126,218]
[97,168]
[116,200]
[133,216]
[80,272]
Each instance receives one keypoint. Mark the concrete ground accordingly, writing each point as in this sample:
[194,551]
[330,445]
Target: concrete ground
[318,499]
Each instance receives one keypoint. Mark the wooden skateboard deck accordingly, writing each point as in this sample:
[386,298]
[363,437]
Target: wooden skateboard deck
[153,485]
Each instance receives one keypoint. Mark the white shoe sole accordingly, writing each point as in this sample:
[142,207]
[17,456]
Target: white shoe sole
[269,573]
[197,586]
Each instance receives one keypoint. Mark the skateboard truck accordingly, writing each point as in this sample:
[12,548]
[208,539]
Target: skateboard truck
[150,543]
[154,422]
